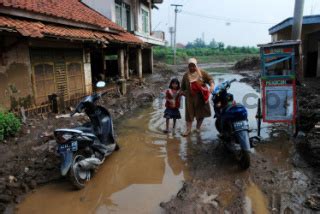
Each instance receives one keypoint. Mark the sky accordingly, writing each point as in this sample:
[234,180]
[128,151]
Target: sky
[233,22]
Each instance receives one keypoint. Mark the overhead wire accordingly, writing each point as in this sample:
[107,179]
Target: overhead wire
[225,19]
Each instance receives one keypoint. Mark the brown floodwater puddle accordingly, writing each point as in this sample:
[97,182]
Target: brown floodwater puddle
[255,200]
[149,168]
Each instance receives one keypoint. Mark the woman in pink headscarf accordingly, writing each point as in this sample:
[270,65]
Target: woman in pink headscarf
[194,86]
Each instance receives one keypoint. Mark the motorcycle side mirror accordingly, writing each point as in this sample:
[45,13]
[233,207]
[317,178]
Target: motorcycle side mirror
[101,84]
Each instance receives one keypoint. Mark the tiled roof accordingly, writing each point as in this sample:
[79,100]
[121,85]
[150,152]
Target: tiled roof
[38,29]
[66,9]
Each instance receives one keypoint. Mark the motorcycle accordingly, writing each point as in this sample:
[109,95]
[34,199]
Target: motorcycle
[83,149]
[232,124]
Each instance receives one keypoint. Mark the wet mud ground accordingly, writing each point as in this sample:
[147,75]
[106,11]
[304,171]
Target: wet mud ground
[187,175]
[158,173]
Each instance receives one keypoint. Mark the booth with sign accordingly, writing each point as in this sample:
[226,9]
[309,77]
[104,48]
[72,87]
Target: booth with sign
[280,71]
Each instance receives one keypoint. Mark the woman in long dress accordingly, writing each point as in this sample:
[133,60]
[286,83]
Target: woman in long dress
[196,94]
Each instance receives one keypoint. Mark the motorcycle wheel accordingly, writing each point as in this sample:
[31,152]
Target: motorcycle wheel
[78,176]
[244,161]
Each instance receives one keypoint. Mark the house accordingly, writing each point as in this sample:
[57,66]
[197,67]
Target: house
[135,17]
[310,38]
[61,48]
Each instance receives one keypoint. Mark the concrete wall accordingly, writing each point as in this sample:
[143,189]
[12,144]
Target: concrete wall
[15,73]
[105,7]
[16,83]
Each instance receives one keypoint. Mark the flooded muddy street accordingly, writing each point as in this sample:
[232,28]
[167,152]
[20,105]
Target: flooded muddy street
[147,170]
[155,172]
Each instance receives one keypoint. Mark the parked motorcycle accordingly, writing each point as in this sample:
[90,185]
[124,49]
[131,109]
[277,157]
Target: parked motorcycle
[83,149]
[232,124]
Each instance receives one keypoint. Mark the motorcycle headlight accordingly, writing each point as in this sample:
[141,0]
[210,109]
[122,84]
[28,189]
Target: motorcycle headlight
[63,137]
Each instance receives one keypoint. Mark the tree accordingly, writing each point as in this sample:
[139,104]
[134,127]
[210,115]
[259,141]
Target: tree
[189,45]
[199,43]
[220,45]
[213,44]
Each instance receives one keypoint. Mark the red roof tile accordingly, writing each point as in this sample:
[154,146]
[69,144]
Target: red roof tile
[67,9]
[39,29]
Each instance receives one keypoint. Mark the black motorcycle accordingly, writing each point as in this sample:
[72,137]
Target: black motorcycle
[232,124]
[83,149]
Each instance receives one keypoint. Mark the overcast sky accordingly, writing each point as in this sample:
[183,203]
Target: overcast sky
[234,22]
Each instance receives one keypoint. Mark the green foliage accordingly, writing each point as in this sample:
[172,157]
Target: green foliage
[9,125]
[214,52]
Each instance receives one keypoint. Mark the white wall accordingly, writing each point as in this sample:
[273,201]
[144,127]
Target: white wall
[105,7]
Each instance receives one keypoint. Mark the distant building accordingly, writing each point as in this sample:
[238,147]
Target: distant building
[180,45]
[310,41]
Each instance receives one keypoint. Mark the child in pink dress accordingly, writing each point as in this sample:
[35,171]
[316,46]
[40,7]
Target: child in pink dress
[173,95]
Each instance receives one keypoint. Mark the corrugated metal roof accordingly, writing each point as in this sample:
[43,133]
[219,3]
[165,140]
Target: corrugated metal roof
[280,43]
[307,20]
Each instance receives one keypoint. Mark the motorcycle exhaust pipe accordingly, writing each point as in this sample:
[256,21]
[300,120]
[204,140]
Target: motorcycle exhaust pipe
[90,163]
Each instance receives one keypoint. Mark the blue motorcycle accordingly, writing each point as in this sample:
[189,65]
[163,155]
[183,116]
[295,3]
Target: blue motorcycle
[83,149]
[232,124]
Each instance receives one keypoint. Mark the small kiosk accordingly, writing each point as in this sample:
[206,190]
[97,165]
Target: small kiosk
[281,68]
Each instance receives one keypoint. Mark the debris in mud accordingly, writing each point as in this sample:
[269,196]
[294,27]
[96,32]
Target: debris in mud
[251,78]
[209,199]
[313,202]
[308,122]
[249,63]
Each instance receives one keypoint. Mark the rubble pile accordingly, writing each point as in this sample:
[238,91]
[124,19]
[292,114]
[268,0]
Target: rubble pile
[248,63]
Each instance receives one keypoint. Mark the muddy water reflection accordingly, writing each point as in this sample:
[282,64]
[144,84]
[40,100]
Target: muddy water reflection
[148,169]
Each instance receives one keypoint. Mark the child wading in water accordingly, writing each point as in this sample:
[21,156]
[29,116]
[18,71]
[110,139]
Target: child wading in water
[173,95]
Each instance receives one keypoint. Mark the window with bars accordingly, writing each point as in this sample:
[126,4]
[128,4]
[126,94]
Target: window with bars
[145,21]
[123,14]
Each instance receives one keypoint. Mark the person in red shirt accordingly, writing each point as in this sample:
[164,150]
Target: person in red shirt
[173,95]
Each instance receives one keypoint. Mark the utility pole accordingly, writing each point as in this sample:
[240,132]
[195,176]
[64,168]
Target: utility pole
[171,31]
[176,10]
[203,37]
[297,20]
